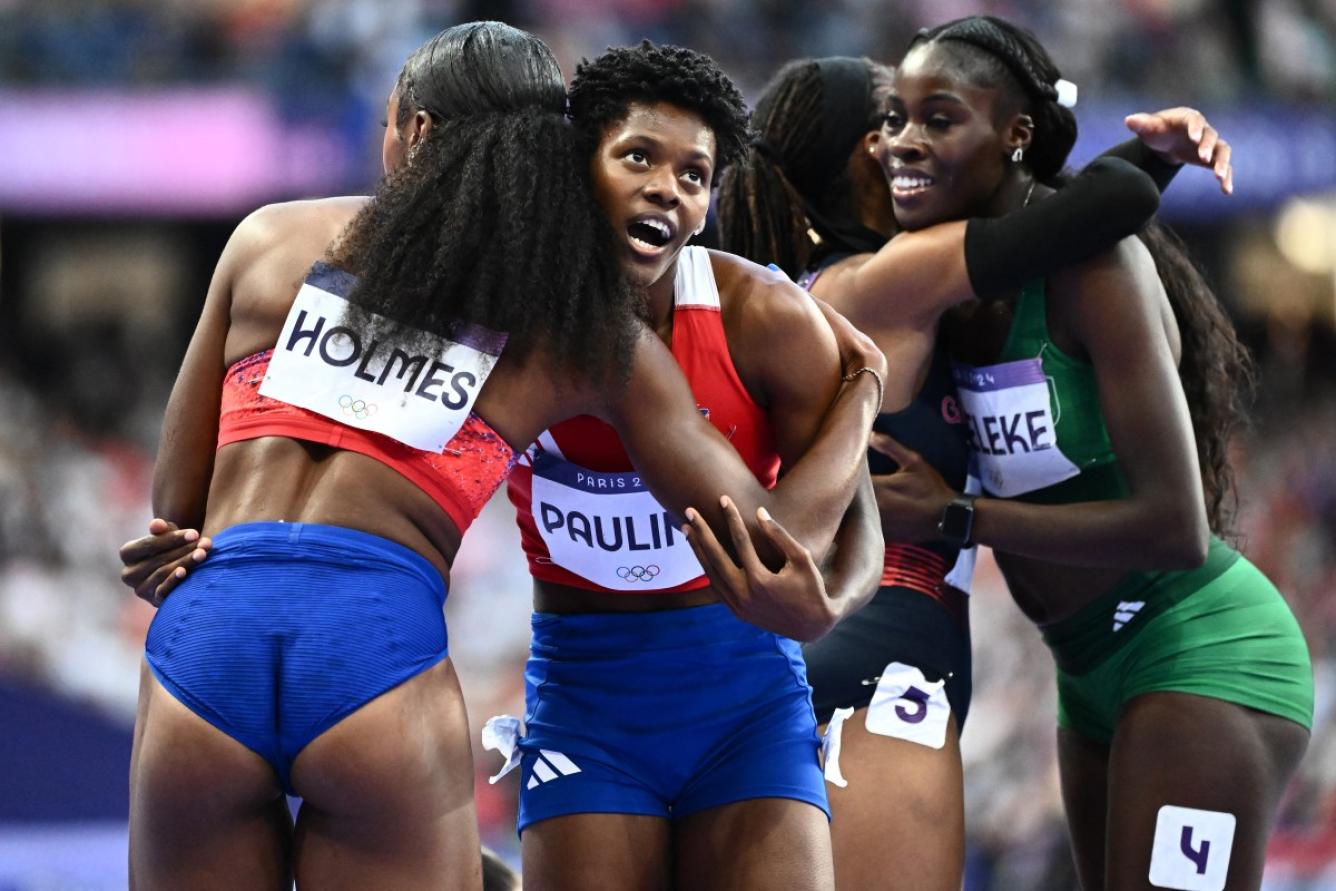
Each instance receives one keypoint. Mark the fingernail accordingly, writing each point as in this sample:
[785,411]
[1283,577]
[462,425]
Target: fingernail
[206,542]
[191,535]
[690,515]
[723,501]
[763,514]
[180,572]
[200,554]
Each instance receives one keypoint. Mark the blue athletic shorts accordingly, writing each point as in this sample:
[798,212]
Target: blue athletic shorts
[288,628]
[663,714]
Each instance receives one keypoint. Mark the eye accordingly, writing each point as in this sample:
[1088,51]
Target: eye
[939,122]
[637,156]
[892,121]
[384,123]
[695,175]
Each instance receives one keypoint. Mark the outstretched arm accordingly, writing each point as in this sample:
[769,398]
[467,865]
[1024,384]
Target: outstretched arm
[918,275]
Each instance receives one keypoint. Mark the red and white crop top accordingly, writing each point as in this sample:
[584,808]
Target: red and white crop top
[460,477]
[586,518]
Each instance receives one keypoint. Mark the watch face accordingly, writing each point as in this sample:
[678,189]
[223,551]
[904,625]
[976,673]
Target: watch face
[957,521]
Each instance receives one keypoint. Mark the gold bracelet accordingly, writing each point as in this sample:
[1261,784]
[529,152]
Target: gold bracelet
[876,375]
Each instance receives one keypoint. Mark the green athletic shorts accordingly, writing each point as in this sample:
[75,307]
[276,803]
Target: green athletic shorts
[1221,630]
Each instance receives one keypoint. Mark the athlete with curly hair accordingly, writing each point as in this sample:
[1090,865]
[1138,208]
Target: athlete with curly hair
[668,738]
[336,427]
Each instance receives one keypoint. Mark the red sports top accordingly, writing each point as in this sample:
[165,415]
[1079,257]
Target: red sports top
[601,529]
[460,478]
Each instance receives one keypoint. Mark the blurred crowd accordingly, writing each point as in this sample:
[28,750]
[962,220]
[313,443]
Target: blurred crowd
[333,61]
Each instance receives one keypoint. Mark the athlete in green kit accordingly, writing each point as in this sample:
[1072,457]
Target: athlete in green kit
[1185,687]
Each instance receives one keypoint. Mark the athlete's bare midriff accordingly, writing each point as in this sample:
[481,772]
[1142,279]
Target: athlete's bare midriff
[275,478]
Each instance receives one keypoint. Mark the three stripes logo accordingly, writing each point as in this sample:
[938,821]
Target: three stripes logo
[549,766]
[1126,612]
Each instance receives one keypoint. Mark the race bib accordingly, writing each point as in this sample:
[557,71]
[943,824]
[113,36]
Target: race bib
[1191,849]
[420,399]
[608,528]
[908,706]
[1012,428]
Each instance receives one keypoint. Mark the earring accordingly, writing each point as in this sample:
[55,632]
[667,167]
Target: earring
[1017,155]
[872,150]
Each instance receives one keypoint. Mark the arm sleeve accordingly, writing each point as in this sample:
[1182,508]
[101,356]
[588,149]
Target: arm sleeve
[1106,202]
[1137,153]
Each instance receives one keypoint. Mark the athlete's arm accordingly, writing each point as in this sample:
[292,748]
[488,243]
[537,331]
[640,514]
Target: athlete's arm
[789,353]
[1112,307]
[918,275]
[687,463]
[190,424]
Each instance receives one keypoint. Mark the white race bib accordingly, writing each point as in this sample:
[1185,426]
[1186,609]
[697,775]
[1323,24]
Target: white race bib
[1011,427]
[420,399]
[908,706]
[608,528]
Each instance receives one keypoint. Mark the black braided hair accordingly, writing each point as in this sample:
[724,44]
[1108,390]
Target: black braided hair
[1215,368]
[603,91]
[493,220]
[1006,56]
[763,213]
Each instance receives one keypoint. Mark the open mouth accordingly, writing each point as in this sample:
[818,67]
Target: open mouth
[910,185]
[649,234]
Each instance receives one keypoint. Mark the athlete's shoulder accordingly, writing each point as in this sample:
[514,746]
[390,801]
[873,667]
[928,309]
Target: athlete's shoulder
[759,291]
[274,222]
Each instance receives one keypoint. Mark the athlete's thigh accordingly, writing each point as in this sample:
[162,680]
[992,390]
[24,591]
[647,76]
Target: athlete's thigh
[388,793]
[1219,768]
[900,821]
[763,844]
[205,811]
[1084,767]
[578,852]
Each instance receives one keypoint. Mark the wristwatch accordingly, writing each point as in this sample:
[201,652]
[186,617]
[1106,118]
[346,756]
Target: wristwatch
[957,522]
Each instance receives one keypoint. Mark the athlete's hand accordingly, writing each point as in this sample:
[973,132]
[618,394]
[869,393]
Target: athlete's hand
[791,602]
[1183,136]
[857,350]
[156,563]
[911,499]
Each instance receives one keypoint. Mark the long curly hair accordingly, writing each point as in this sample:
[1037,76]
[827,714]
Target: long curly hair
[604,89]
[793,182]
[1215,367]
[492,221]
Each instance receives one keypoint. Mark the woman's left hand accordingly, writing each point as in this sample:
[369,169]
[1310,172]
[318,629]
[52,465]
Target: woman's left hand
[791,602]
[911,499]
[1183,136]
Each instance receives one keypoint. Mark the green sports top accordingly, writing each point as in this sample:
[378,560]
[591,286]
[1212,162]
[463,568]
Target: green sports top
[1033,418]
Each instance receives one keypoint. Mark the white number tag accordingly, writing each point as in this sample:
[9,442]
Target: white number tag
[1011,427]
[908,706]
[1191,850]
[420,399]
[608,528]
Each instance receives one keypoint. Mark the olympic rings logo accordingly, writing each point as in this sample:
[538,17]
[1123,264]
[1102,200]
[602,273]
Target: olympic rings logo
[357,408]
[637,573]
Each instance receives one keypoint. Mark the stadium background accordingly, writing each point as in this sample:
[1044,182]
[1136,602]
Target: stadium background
[134,134]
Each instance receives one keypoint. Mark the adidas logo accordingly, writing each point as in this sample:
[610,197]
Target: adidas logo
[548,766]
[1126,612]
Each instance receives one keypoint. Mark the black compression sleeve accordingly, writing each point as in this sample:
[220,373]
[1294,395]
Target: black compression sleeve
[1134,151]
[1103,204]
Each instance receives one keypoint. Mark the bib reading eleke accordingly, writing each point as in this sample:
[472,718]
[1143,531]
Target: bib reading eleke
[420,398]
[608,527]
[1012,427]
